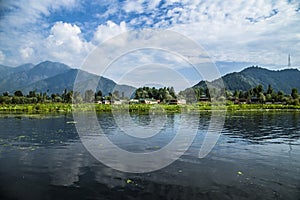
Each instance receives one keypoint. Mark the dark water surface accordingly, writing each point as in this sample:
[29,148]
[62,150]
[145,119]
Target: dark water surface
[256,157]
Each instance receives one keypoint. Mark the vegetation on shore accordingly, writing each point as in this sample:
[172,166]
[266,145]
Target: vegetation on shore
[137,108]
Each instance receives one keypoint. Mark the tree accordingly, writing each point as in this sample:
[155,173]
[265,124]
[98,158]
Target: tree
[279,96]
[77,98]
[236,93]
[69,97]
[98,96]
[269,97]
[257,90]
[270,89]
[262,97]
[294,93]
[116,94]
[32,93]
[172,92]
[89,96]
[18,93]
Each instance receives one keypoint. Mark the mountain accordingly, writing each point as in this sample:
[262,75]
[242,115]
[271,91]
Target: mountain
[282,80]
[17,78]
[60,82]
[53,77]
[22,68]
[4,70]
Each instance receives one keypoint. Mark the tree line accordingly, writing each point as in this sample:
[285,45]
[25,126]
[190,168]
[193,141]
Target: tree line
[164,95]
[44,97]
[255,94]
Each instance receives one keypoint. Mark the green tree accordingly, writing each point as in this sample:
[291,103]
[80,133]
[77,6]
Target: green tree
[294,93]
[236,94]
[32,93]
[116,94]
[279,96]
[69,97]
[172,92]
[89,96]
[18,93]
[270,89]
[269,97]
[262,98]
[77,98]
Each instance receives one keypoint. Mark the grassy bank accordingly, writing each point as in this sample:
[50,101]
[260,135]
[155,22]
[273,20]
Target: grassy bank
[137,108]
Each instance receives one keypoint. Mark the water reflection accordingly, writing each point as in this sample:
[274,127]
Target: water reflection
[43,158]
[264,127]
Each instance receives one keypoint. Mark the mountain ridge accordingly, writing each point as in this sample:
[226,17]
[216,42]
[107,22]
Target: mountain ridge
[281,80]
[53,77]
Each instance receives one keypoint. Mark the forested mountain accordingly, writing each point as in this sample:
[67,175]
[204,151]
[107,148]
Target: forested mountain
[282,80]
[52,77]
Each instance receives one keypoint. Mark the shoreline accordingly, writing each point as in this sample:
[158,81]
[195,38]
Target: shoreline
[44,108]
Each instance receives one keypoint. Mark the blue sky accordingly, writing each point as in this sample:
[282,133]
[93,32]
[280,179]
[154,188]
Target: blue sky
[235,34]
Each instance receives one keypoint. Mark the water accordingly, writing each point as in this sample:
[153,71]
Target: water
[256,157]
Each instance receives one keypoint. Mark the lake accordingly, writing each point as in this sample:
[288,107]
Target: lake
[256,157]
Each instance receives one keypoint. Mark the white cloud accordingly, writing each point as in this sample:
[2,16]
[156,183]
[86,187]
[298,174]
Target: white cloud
[133,6]
[108,30]
[26,52]
[153,4]
[66,37]
[253,31]
[23,29]
[66,44]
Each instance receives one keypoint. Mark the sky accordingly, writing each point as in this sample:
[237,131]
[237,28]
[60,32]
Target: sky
[235,34]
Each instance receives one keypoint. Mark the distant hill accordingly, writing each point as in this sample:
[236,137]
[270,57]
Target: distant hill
[53,77]
[281,80]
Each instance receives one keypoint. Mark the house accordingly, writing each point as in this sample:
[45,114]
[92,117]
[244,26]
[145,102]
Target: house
[106,101]
[241,101]
[134,101]
[203,99]
[148,101]
[254,100]
[177,102]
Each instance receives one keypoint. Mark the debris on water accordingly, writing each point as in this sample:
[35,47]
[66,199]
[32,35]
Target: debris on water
[60,131]
[21,137]
[129,181]
[179,171]
[71,122]
[240,173]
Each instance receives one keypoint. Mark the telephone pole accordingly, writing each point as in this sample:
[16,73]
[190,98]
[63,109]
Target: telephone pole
[289,60]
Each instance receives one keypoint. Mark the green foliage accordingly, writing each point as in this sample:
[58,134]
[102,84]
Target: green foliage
[163,94]
[18,93]
[294,93]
